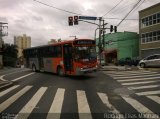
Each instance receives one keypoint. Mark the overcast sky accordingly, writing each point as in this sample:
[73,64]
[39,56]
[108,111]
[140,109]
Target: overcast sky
[43,23]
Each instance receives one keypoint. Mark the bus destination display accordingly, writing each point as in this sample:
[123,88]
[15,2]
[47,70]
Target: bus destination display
[84,42]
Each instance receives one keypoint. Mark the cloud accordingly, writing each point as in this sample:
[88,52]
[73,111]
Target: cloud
[43,23]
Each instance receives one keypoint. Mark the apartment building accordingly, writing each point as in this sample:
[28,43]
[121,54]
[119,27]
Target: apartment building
[149,30]
[22,42]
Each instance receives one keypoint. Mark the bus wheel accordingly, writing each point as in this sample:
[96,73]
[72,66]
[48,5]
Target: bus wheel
[60,71]
[33,68]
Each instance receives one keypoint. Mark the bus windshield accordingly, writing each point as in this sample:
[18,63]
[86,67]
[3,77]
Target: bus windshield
[85,53]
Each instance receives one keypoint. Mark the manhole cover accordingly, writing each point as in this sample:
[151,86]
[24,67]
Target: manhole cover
[123,91]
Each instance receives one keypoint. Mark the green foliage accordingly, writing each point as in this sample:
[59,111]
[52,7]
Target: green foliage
[9,55]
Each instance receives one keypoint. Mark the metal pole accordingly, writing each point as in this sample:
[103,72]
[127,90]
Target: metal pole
[100,44]
[103,36]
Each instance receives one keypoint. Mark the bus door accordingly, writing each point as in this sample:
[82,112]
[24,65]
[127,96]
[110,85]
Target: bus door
[67,57]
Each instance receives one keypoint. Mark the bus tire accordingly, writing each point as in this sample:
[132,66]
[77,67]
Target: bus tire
[60,71]
[34,68]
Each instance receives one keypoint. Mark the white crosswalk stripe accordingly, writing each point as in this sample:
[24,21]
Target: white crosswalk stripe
[154,98]
[111,108]
[84,110]
[12,99]
[143,87]
[149,92]
[8,90]
[27,109]
[83,107]
[137,83]
[138,80]
[138,106]
[140,76]
[55,109]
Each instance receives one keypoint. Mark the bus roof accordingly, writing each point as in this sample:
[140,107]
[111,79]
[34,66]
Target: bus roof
[63,42]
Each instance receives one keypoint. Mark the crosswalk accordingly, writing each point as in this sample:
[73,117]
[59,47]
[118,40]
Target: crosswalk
[13,95]
[142,82]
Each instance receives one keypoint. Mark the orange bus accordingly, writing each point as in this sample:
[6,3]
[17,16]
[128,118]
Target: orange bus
[73,57]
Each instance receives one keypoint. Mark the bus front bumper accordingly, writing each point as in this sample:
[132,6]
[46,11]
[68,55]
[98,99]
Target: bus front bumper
[81,71]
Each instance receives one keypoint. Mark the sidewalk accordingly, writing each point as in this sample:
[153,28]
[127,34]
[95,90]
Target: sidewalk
[126,68]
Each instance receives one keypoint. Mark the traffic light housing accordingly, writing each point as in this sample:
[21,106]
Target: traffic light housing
[115,29]
[111,28]
[70,21]
[75,20]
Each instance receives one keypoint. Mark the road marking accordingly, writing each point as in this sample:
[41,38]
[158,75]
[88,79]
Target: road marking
[112,109]
[135,83]
[143,87]
[56,107]
[12,99]
[23,77]
[83,107]
[148,93]
[128,77]
[130,80]
[27,109]
[8,90]
[125,74]
[154,98]
[138,106]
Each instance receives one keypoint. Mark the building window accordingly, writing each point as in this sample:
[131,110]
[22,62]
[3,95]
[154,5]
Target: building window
[150,37]
[158,18]
[150,20]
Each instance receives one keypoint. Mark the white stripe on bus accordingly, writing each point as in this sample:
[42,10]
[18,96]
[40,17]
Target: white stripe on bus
[12,99]
[56,107]
[27,109]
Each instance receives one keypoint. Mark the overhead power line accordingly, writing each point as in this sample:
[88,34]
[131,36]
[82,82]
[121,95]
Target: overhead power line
[57,8]
[120,19]
[112,8]
[129,12]
[140,4]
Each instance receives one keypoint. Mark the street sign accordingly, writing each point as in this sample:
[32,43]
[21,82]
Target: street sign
[87,17]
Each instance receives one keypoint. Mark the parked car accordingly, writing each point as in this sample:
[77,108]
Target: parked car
[128,61]
[150,61]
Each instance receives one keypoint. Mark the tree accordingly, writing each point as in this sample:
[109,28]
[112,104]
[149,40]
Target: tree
[9,55]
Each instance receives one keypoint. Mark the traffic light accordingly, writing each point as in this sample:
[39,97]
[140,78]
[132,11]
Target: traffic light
[111,28]
[70,21]
[75,20]
[115,29]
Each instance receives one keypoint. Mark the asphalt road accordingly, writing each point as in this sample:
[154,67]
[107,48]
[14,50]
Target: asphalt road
[100,95]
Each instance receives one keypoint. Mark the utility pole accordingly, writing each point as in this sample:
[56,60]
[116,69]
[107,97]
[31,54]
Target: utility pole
[2,34]
[100,43]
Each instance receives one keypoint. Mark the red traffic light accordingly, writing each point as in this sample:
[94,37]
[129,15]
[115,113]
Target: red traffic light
[75,20]
[70,21]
